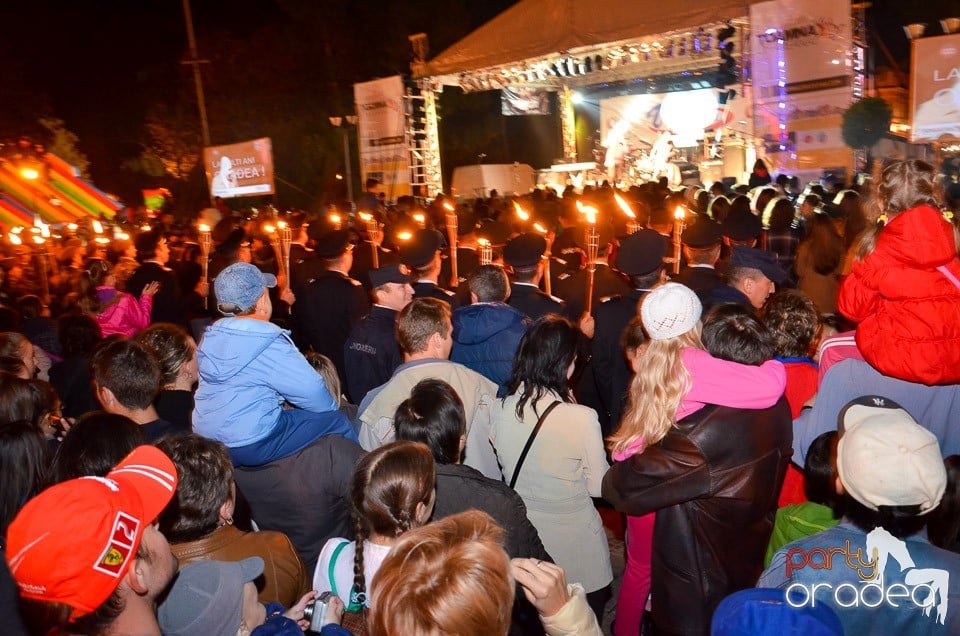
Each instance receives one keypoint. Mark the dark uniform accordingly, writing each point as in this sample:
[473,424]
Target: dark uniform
[704,234]
[530,300]
[330,305]
[702,279]
[640,254]
[304,267]
[429,289]
[420,251]
[363,261]
[573,288]
[523,253]
[168,303]
[371,352]
[610,369]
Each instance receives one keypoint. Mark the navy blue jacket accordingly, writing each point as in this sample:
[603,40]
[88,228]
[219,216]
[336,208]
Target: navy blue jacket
[371,352]
[486,337]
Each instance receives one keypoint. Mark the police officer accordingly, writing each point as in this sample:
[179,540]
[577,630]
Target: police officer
[371,352]
[332,303]
[304,263]
[524,254]
[606,282]
[701,249]
[641,258]
[422,255]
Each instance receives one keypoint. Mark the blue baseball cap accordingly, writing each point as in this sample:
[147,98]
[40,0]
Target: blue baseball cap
[239,286]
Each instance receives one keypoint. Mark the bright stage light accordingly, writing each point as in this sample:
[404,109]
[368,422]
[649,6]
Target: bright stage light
[577,97]
[688,113]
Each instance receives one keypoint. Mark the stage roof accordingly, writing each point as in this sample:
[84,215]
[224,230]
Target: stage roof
[535,28]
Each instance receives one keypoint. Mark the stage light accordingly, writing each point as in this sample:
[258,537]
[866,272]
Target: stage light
[577,97]
[561,68]
[571,67]
[914,31]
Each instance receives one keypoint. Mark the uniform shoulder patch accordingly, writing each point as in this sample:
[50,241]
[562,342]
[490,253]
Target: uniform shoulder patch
[609,298]
[354,282]
[447,291]
[558,300]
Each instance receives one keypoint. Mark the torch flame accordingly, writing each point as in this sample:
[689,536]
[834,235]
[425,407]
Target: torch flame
[449,206]
[365,217]
[419,218]
[590,212]
[522,214]
[15,239]
[482,241]
[71,226]
[282,225]
[269,229]
[680,213]
[123,236]
[39,240]
[97,227]
[334,218]
[404,236]
[624,206]
[204,228]
[539,228]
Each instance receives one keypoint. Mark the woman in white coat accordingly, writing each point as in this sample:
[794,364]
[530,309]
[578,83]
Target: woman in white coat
[565,461]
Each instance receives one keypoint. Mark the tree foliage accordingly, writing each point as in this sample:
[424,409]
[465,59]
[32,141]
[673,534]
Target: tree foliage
[865,123]
[65,144]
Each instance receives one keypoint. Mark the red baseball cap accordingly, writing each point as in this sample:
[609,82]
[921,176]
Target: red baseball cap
[74,542]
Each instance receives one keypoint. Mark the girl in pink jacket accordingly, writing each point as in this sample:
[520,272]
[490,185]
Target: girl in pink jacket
[116,312]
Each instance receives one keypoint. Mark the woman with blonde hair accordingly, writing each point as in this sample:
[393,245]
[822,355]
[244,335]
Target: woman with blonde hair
[393,491]
[675,377]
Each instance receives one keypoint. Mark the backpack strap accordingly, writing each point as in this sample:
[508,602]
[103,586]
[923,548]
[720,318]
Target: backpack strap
[533,435]
[351,607]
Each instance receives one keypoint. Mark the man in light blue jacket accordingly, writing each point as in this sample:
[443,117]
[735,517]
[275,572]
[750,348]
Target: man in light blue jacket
[249,368]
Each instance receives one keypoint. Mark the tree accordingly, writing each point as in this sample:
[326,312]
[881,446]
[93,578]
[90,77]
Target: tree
[865,123]
[63,144]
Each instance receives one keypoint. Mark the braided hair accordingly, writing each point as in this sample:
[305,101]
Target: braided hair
[388,483]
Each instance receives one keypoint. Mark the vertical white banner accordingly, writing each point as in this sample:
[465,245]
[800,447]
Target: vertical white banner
[802,71]
[380,130]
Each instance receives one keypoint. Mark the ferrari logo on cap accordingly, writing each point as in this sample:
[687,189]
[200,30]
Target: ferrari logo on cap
[120,545]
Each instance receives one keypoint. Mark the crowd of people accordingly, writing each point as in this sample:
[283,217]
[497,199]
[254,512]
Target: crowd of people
[398,427]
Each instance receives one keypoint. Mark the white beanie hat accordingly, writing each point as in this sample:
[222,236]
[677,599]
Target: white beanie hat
[886,459]
[670,310]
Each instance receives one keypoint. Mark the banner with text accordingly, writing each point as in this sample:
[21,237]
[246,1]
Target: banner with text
[935,89]
[383,149]
[802,71]
[240,170]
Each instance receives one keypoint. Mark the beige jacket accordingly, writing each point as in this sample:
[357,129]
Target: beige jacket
[575,618]
[477,393]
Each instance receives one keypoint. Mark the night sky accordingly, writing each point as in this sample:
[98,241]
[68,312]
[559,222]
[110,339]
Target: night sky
[101,65]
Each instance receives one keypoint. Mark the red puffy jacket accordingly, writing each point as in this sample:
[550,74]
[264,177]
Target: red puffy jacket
[908,310]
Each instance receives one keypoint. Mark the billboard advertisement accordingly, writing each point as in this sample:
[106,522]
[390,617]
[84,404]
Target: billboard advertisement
[381,123]
[802,71]
[935,89]
[243,169]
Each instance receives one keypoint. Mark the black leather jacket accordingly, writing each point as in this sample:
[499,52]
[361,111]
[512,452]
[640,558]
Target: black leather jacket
[713,481]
